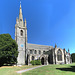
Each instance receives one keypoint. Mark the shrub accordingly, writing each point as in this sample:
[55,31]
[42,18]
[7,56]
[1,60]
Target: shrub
[35,62]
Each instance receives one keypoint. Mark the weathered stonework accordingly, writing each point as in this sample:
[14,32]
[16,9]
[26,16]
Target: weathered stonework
[29,52]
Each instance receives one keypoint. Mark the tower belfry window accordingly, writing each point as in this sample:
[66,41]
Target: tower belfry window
[21,32]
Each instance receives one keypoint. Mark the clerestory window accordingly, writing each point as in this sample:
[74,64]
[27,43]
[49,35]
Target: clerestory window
[39,52]
[35,52]
[43,52]
[31,52]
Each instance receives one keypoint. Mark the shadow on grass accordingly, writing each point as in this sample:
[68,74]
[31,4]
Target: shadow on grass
[7,65]
[71,68]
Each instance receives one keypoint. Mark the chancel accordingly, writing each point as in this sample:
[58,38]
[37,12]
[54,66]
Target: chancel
[29,52]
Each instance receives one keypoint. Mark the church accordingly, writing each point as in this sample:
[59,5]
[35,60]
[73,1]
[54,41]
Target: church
[29,52]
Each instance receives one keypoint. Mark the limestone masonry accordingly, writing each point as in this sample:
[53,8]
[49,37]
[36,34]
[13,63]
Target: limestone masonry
[29,52]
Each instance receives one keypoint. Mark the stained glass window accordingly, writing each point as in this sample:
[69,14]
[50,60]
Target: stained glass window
[59,55]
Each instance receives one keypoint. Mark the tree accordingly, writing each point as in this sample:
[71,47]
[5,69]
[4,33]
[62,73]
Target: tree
[73,57]
[8,50]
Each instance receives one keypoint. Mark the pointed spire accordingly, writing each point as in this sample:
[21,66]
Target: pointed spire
[25,24]
[20,12]
[20,16]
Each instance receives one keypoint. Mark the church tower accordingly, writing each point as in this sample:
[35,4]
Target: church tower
[21,38]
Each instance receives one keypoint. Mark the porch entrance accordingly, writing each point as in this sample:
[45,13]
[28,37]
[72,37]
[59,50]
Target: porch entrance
[42,61]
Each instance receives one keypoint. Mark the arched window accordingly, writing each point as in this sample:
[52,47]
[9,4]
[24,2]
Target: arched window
[43,52]
[39,52]
[59,55]
[21,32]
[31,52]
[32,57]
[35,52]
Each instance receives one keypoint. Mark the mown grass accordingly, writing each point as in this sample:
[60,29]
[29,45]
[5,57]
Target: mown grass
[11,70]
[67,69]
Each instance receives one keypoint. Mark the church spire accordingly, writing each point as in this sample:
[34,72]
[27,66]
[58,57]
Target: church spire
[20,16]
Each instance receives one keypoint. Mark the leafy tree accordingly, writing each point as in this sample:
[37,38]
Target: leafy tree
[73,57]
[8,50]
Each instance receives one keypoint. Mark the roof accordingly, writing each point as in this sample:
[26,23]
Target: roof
[36,46]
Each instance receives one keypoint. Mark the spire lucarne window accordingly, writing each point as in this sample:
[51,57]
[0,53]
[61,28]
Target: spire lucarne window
[59,55]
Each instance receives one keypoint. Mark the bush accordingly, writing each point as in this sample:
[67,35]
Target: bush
[35,62]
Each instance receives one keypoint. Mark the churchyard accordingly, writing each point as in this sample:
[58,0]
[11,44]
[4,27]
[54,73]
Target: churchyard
[66,69]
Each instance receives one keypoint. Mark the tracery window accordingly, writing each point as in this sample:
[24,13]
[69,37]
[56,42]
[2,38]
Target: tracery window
[59,55]
[21,32]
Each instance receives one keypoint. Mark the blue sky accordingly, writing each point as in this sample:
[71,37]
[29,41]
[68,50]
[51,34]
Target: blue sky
[48,21]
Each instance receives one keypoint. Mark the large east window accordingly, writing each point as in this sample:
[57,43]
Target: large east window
[59,55]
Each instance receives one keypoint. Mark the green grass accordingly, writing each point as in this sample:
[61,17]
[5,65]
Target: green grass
[11,70]
[67,69]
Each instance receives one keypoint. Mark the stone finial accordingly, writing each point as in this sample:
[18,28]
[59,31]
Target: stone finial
[64,49]
[68,50]
[55,46]
[17,20]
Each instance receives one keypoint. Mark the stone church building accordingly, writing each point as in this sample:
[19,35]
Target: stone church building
[29,52]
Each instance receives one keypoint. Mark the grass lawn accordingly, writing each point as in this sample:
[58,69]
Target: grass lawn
[11,70]
[67,69]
